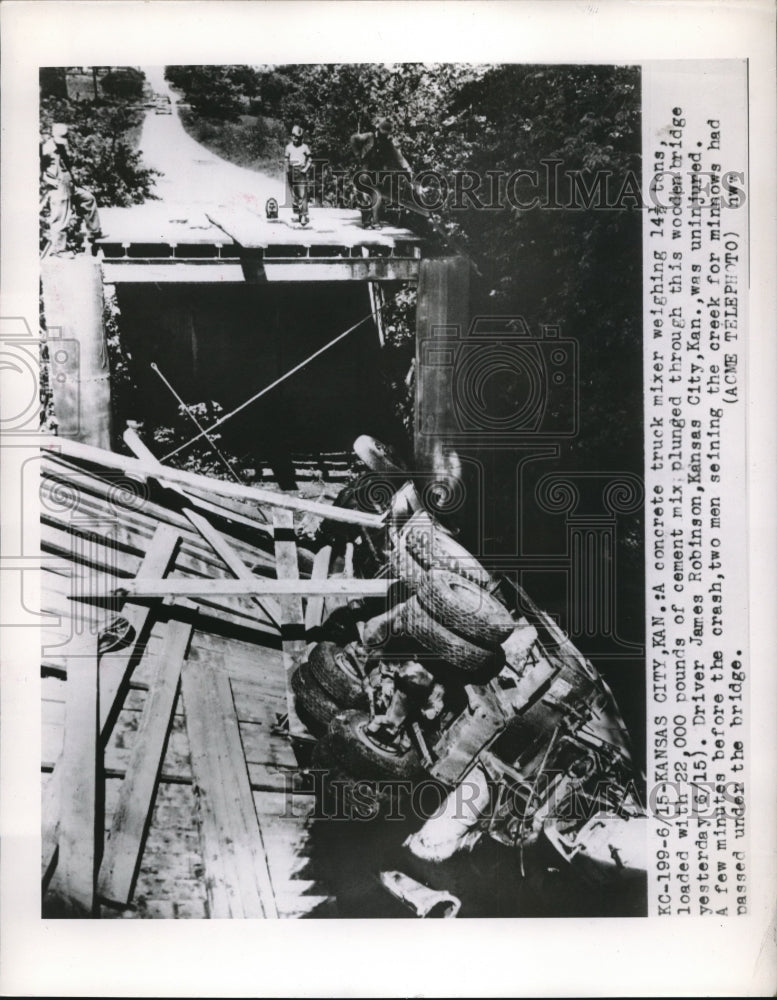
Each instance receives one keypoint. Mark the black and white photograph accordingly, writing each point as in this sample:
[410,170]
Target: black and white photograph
[382,448]
[410,293]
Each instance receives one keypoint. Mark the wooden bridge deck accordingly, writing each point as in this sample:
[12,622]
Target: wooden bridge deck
[161,242]
[183,797]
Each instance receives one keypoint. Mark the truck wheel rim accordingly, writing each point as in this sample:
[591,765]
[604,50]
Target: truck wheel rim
[384,747]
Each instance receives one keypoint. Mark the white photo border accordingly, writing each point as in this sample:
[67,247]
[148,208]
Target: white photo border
[320,958]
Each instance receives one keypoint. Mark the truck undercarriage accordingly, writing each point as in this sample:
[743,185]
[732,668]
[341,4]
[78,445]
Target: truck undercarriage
[457,714]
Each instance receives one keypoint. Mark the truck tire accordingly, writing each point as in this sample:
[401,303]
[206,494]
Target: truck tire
[464,608]
[336,674]
[466,656]
[424,541]
[362,757]
[316,709]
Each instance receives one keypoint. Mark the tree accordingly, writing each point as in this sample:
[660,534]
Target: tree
[53,82]
[125,84]
[212,91]
[101,154]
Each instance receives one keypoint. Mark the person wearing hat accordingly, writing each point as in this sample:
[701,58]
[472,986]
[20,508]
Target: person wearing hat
[381,157]
[297,158]
[63,194]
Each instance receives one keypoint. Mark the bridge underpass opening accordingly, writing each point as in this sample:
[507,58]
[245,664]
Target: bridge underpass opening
[225,343]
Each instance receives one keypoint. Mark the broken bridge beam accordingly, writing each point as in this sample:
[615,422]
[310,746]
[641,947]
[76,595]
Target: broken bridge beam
[218,487]
[201,524]
[354,587]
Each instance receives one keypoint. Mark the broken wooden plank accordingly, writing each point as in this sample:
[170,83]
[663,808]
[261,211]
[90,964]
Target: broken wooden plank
[136,797]
[114,672]
[217,542]
[96,496]
[229,512]
[178,587]
[236,873]
[98,499]
[217,487]
[217,616]
[73,882]
[314,611]
[293,621]
[115,667]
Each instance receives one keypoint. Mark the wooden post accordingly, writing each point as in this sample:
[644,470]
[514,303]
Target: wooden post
[292,618]
[79,372]
[314,612]
[80,822]
[442,321]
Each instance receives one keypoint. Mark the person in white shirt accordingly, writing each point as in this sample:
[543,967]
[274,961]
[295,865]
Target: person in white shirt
[298,162]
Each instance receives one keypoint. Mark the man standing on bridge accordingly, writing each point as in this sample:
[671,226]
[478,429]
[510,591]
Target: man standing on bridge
[383,159]
[297,167]
[63,193]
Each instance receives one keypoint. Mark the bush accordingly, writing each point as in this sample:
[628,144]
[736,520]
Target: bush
[123,83]
[249,141]
[101,150]
[210,90]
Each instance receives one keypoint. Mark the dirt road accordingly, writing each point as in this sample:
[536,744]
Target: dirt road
[193,174]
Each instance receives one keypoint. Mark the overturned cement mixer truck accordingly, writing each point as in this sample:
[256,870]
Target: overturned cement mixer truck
[459,682]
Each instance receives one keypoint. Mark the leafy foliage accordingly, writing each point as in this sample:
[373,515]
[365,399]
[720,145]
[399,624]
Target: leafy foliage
[577,267]
[250,141]
[200,457]
[124,83]
[102,143]
[101,149]
[398,313]
[220,92]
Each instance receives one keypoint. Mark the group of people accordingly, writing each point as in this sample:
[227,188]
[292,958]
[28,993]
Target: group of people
[379,157]
[377,152]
